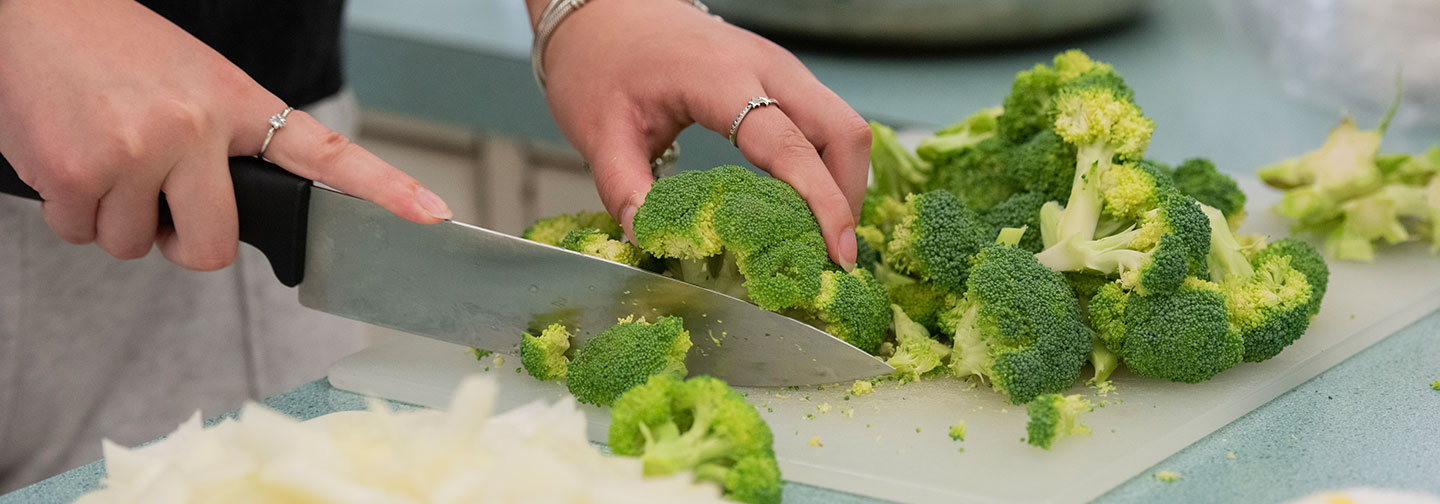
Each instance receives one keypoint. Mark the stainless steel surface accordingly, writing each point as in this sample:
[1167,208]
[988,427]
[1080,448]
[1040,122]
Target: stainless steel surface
[926,22]
[480,288]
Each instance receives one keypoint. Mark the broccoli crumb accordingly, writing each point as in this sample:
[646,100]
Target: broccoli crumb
[1230,455]
[1435,385]
[1167,476]
[823,408]
[769,410]
[848,412]
[809,416]
[861,387]
[480,354]
[815,441]
[1103,388]
[498,360]
[519,370]
[917,430]
[957,431]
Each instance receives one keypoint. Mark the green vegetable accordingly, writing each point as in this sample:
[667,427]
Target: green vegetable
[935,240]
[1270,301]
[543,356]
[1054,417]
[552,230]
[1199,179]
[594,242]
[1182,336]
[916,353]
[626,355]
[701,426]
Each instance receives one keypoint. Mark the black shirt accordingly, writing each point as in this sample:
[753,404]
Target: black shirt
[291,47]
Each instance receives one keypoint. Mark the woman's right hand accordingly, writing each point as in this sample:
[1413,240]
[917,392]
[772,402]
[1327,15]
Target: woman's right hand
[104,105]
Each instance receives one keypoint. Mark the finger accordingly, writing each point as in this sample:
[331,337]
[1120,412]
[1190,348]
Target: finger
[769,139]
[127,218]
[838,133]
[309,149]
[72,218]
[206,232]
[622,176]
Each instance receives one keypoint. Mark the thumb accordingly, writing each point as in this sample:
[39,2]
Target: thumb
[622,176]
[309,149]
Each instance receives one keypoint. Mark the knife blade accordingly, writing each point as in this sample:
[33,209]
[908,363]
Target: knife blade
[476,287]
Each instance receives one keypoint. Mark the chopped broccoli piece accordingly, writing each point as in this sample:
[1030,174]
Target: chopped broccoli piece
[1021,210]
[552,230]
[936,239]
[754,238]
[594,242]
[923,303]
[1182,336]
[976,128]
[981,176]
[1167,476]
[1017,324]
[626,355]
[861,387]
[957,431]
[1435,385]
[480,354]
[701,426]
[1269,299]
[543,356]
[1343,167]
[916,353]
[1198,178]
[1054,417]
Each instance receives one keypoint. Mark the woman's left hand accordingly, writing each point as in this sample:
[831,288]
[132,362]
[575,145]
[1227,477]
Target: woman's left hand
[625,76]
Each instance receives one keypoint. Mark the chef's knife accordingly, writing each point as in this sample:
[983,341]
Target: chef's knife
[475,287]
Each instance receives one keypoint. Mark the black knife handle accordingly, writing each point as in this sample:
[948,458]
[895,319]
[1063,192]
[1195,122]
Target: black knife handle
[273,206]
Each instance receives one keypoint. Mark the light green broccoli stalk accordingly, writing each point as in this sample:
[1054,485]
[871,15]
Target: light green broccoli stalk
[972,130]
[916,353]
[543,356]
[898,172]
[626,355]
[701,426]
[1054,417]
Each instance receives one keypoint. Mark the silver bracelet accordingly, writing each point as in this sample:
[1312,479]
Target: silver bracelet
[554,13]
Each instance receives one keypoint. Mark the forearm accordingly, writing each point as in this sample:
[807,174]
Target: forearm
[534,7]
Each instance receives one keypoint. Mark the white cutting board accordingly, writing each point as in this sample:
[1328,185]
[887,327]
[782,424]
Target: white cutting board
[878,451]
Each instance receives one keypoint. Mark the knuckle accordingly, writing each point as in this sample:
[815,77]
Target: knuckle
[66,177]
[209,256]
[792,148]
[854,131]
[332,149]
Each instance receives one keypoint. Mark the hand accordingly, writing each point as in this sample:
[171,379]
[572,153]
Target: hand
[106,105]
[625,76]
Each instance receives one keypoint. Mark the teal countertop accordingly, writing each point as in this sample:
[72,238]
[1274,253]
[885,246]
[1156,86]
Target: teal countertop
[1369,421]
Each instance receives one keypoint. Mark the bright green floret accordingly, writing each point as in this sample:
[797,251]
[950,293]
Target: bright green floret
[923,303]
[1199,179]
[1103,124]
[954,138]
[957,431]
[916,353]
[936,239]
[1183,336]
[1028,107]
[981,176]
[1054,417]
[1270,301]
[552,230]
[1018,325]
[1021,210]
[594,242]
[543,356]
[701,426]
[754,238]
[626,355]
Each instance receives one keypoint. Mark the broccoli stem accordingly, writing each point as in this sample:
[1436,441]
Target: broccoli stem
[1082,211]
[970,354]
[1226,259]
[668,451]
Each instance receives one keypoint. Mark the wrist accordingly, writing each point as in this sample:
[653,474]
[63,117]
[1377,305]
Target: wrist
[554,13]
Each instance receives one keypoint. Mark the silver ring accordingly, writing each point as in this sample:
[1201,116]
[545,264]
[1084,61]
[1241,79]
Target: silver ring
[754,103]
[277,121]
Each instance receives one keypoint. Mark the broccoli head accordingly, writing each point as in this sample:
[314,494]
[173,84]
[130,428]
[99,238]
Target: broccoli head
[923,303]
[1054,417]
[1018,325]
[1045,164]
[701,426]
[594,242]
[1021,210]
[897,171]
[1269,299]
[1169,242]
[1182,336]
[916,353]
[981,175]
[543,356]
[1199,178]
[853,307]
[1306,259]
[552,230]
[1027,108]
[936,239]
[626,355]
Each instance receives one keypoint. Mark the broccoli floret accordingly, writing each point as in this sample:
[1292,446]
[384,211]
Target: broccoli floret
[1381,215]
[1027,107]
[853,307]
[552,230]
[1304,258]
[626,355]
[594,242]
[936,239]
[1018,325]
[897,171]
[957,431]
[923,303]
[1045,164]
[1102,123]
[981,176]
[1182,336]
[1198,178]
[1054,417]
[954,138]
[543,356]
[1021,210]
[1270,301]
[701,426]
[916,353]
[882,213]
[1169,242]
[1342,168]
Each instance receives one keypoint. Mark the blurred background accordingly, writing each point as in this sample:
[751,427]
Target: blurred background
[447,95]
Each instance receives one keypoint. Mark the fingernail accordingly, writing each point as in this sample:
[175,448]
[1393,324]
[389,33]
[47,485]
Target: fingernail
[848,249]
[432,204]
[627,222]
